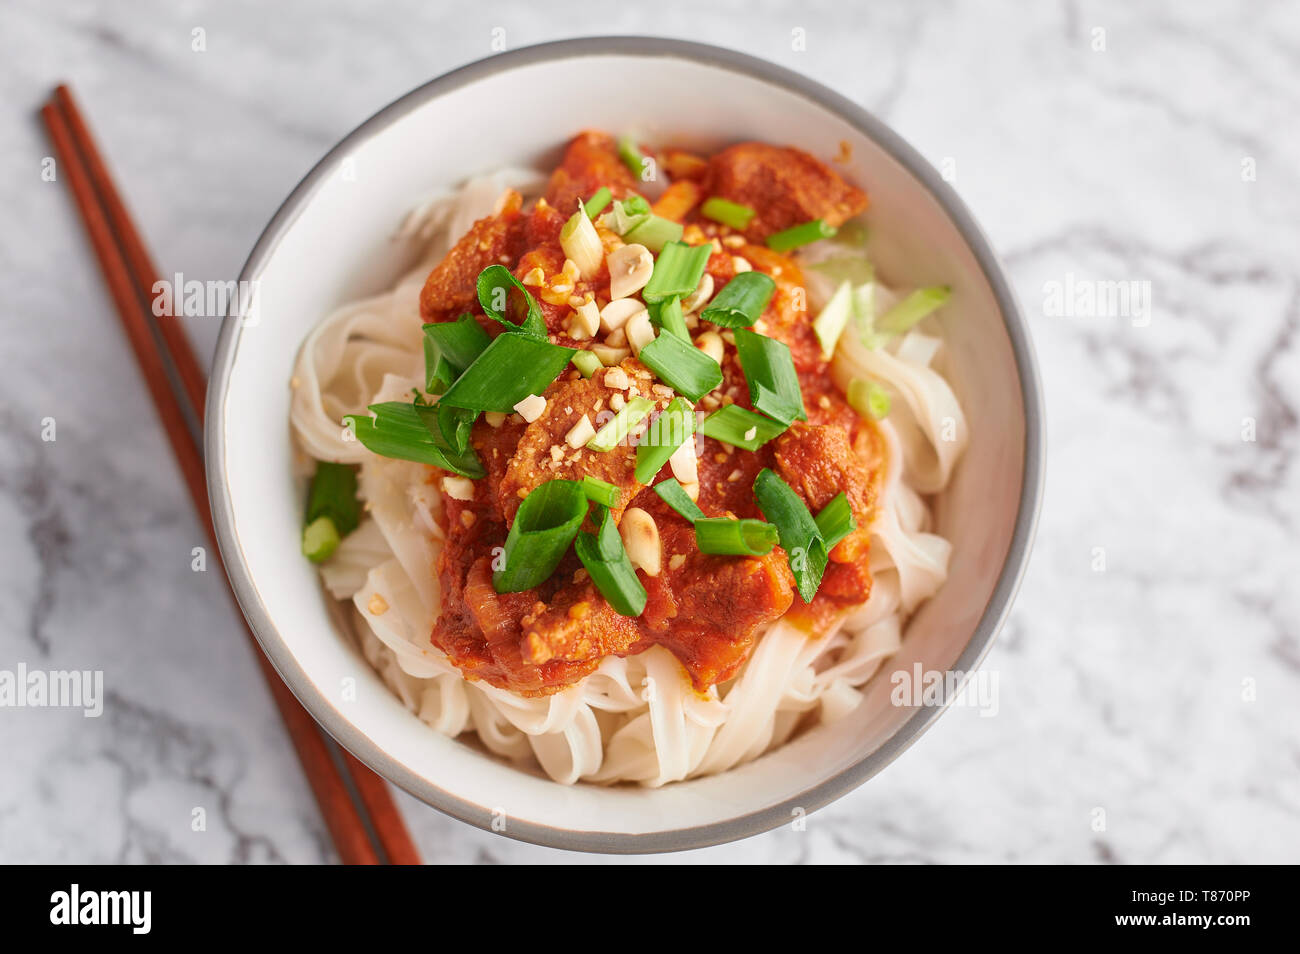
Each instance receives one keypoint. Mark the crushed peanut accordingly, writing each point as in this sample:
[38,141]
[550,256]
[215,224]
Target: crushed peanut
[458,488]
[531,407]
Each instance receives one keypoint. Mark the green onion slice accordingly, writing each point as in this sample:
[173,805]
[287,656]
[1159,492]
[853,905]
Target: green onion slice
[672,493]
[635,206]
[615,430]
[798,235]
[773,381]
[668,431]
[458,342]
[333,510]
[545,525]
[587,363]
[682,366]
[739,427]
[596,204]
[854,269]
[729,213]
[600,491]
[630,153]
[677,271]
[741,301]
[494,286]
[668,316]
[836,521]
[513,367]
[407,432]
[868,398]
[834,318]
[654,232]
[726,535]
[900,319]
[853,234]
[798,532]
[450,426]
[863,308]
[438,372]
[320,539]
[626,214]
[605,558]
[333,494]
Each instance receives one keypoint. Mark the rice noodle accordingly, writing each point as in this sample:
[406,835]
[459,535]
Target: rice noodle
[634,719]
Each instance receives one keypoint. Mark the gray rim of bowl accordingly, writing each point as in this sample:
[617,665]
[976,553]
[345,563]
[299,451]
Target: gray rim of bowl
[742,826]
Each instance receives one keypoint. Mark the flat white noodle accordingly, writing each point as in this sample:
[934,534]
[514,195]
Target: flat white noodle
[359,553]
[635,719]
[930,423]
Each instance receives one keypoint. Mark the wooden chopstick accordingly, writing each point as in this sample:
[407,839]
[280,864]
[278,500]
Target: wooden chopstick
[130,275]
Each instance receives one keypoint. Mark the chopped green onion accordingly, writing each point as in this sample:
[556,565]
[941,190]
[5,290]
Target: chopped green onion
[853,233]
[912,309]
[682,366]
[494,286]
[544,526]
[581,244]
[727,212]
[668,316]
[672,493]
[320,539]
[459,342]
[605,558]
[864,314]
[739,427]
[333,493]
[438,372]
[654,232]
[403,431]
[677,271]
[333,510]
[830,324]
[450,426]
[631,155]
[726,535]
[854,269]
[636,206]
[835,521]
[626,214]
[600,491]
[773,381]
[513,367]
[741,301]
[668,431]
[586,362]
[599,199]
[868,398]
[798,235]
[797,530]
[615,430]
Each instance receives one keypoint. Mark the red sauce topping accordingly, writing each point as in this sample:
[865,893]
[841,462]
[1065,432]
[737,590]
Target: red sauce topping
[705,609]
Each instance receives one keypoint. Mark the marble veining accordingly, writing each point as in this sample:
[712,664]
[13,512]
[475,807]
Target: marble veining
[1149,670]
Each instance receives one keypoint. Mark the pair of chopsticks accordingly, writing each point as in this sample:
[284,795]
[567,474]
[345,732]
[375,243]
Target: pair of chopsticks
[357,805]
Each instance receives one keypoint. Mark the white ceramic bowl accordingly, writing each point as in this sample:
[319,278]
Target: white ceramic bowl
[329,243]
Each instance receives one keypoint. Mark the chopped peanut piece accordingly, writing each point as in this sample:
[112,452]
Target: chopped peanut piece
[531,407]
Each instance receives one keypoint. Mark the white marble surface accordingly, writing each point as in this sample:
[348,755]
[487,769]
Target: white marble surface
[1120,690]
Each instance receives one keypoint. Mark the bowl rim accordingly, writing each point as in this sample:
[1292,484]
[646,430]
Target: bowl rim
[741,826]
